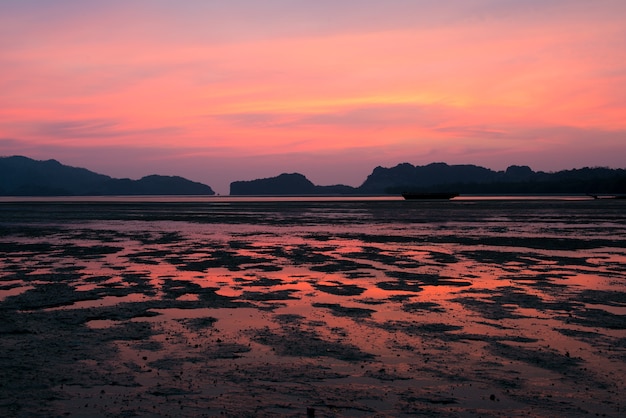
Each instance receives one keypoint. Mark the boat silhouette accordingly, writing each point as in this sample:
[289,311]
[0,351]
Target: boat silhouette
[428,196]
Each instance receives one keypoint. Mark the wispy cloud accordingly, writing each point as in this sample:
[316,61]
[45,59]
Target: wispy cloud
[489,80]
[95,129]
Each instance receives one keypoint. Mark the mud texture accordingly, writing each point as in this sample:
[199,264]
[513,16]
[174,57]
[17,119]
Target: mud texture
[335,307]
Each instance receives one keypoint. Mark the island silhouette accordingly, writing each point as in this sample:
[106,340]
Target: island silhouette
[23,176]
[449,179]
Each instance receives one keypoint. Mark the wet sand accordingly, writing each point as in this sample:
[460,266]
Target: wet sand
[342,308]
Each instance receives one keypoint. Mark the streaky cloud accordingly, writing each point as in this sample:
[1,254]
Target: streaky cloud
[97,128]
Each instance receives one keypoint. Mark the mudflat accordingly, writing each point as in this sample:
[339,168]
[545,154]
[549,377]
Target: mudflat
[321,307]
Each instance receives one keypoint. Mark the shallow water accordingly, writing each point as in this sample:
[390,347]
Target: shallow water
[359,307]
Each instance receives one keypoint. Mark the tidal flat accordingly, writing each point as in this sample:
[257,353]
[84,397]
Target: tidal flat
[329,307]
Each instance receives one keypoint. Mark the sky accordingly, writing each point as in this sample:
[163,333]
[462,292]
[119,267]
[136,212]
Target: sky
[218,91]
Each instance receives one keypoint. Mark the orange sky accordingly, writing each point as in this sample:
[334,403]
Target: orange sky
[225,91]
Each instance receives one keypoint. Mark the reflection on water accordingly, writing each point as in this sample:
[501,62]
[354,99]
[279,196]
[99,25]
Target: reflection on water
[267,199]
[520,299]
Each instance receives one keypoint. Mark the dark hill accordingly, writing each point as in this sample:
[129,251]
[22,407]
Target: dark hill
[471,179]
[285,184]
[22,176]
[406,177]
[441,177]
[154,185]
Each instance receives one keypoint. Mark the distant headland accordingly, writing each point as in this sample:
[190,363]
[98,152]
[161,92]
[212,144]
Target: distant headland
[441,177]
[22,176]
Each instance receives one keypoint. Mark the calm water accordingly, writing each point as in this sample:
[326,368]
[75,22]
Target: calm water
[437,304]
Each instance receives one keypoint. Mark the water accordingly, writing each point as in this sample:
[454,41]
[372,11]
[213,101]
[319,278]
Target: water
[271,305]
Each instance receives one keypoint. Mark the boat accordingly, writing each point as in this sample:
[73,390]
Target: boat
[428,196]
[619,196]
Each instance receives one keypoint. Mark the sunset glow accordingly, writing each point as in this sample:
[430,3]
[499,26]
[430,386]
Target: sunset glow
[225,91]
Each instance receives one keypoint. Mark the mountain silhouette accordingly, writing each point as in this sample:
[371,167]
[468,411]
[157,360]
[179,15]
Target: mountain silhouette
[22,176]
[441,177]
[406,177]
[285,184]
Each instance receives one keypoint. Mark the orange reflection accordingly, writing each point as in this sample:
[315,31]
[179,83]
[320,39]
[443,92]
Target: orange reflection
[358,291]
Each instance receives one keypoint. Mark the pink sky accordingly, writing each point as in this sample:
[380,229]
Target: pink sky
[225,91]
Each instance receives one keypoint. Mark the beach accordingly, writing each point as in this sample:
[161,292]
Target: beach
[326,307]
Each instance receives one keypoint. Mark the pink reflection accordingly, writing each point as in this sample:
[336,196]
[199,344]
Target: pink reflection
[13,289]
[402,306]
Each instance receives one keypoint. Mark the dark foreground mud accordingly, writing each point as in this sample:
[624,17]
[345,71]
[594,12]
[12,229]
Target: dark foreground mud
[373,308]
